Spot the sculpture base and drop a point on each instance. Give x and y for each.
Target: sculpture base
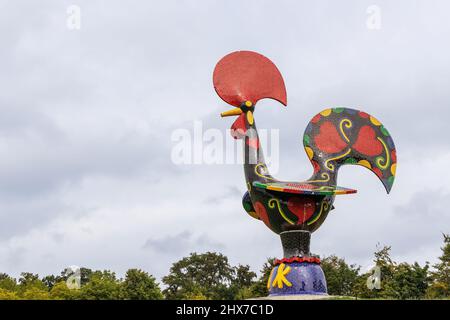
(299, 272)
(297, 278)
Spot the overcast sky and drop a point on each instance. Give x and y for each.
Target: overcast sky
(86, 119)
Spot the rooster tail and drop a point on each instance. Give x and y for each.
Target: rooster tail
(340, 136)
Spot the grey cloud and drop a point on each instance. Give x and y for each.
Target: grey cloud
(421, 221)
(15, 256)
(428, 204)
(231, 192)
(18, 217)
(182, 243)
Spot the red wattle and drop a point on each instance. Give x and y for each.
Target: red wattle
(238, 128)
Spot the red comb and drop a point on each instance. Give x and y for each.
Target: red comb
(247, 75)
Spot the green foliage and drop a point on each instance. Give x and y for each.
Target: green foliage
(50, 281)
(241, 282)
(210, 276)
(95, 285)
(259, 288)
(30, 281)
(243, 276)
(60, 291)
(102, 285)
(7, 282)
(340, 276)
(398, 281)
(438, 290)
(409, 281)
(245, 293)
(139, 285)
(440, 277)
(8, 295)
(35, 293)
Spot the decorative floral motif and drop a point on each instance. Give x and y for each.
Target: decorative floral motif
(310, 259)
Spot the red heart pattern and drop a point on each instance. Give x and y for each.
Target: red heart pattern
(367, 142)
(262, 213)
(328, 139)
(302, 207)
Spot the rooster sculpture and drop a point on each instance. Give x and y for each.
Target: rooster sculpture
(333, 138)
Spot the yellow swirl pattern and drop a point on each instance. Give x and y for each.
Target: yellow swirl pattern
(325, 176)
(330, 166)
(262, 165)
(325, 188)
(348, 124)
(323, 207)
(380, 159)
(271, 204)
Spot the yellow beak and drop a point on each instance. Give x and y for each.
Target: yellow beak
(232, 112)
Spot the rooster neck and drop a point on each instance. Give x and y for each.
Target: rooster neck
(255, 167)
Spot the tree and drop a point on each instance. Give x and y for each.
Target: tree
(243, 276)
(50, 281)
(240, 287)
(85, 275)
(29, 281)
(35, 293)
(208, 274)
(8, 295)
(398, 281)
(440, 287)
(139, 285)
(102, 285)
(259, 288)
(387, 268)
(340, 276)
(7, 282)
(244, 293)
(409, 281)
(60, 291)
